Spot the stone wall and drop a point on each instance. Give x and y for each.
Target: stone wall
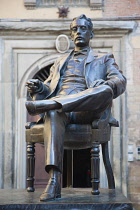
(133, 106)
(15, 9)
(121, 8)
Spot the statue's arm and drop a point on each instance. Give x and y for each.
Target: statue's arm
(36, 88)
(41, 90)
(114, 78)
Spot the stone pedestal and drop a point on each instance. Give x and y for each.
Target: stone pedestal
(72, 199)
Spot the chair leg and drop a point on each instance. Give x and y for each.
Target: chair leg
(95, 169)
(30, 166)
(108, 168)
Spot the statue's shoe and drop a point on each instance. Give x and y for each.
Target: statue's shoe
(40, 106)
(37, 107)
(52, 191)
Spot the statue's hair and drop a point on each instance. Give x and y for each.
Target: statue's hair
(90, 25)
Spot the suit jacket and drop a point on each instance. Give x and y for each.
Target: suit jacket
(98, 68)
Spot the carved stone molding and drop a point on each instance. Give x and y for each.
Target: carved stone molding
(94, 4)
(56, 26)
(30, 4)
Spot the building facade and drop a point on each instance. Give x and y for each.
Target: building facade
(28, 31)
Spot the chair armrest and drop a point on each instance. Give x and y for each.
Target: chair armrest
(34, 132)
(113, 122)
(29, 125)
(103, 121)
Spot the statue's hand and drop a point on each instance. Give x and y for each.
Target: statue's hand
(33, 85)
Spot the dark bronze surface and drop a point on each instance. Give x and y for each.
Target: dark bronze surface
(72, 199)
(79, 90)
(108, 168)
(95, 173)
(53, 188)
(31, 166)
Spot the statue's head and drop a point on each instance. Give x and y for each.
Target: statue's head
(81, 31)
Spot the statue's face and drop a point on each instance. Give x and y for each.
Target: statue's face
(80, 33)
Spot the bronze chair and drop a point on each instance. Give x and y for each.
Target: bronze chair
(77, 137)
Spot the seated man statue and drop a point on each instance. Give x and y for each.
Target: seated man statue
(80, 88)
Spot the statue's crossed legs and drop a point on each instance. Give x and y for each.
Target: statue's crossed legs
(61, 110)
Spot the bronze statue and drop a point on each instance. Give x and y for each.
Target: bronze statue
(80, 88)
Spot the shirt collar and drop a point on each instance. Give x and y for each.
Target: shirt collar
(83, 52)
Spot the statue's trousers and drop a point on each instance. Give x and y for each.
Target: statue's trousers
(81, 108)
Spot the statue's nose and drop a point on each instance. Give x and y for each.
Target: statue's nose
(78, 30)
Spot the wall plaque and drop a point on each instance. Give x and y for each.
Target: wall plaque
(62, 43)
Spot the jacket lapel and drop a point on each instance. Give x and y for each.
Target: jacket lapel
(64, 60)
(91, 56)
